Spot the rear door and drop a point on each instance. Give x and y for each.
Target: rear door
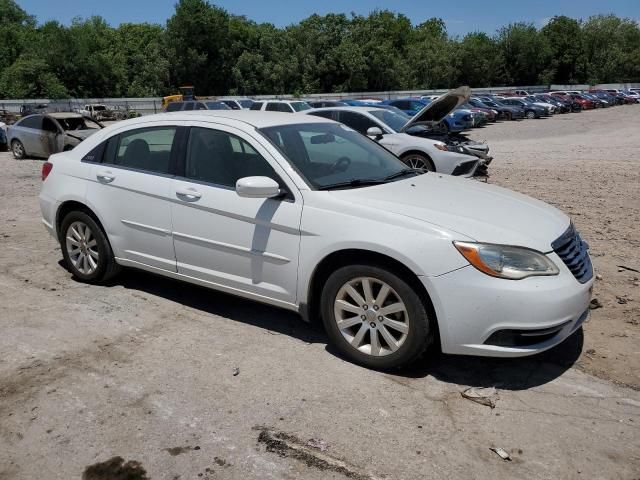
(132, 191)
(32, 136)
(241, 245)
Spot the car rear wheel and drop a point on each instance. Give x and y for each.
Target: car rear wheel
(375, 318)
(419, 162)
(530, 114)
(18, 150)
(86, 249)
(507, 115)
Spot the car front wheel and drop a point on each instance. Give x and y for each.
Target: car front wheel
(530, 114)
(419, 162)
(375, 318)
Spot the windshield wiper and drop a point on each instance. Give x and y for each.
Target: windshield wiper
(354, 182)
(401, 173)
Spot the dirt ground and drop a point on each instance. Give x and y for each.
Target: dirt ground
(152, 379)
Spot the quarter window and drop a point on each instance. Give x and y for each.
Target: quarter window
(148, 149)
(221, 158)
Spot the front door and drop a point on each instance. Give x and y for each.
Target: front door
(241, 245)
(132, 190)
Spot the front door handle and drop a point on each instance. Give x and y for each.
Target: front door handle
(106, 177)
(189, 194)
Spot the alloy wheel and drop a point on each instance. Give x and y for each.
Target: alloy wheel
(18, 149)
(82, 248)
(371, 316)
(418, 163)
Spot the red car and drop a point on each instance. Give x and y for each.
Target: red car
(584, 102)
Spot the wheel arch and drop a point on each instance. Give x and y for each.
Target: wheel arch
(310, 310)
(69, 206)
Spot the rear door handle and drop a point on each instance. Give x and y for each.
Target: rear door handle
(106, 177)
(189, 194)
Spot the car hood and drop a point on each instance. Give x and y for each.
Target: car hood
(474, 210)
(439, 108)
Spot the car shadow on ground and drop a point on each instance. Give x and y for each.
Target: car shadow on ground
(503, 373)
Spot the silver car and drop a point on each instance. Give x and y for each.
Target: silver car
(42, 135)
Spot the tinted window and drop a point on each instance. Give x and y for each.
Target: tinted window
(417, 106)
(32, 122)
(200, 106)
(323, 113)
(49, 125)
(222, 158)
(278, 107)
(174, 106)
(95, 155)
(189, 105)
(300, 106)
(232, 104)
(360, 123)
(148, 149)
(256, 106)
(246, 103)
(401, 104)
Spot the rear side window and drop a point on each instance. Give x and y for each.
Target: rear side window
(256, 106)
(323, 113)
(174, 107)
(234, 105)
(222, 159)
(34, 121)
(144, 149)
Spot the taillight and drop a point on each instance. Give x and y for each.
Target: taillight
(46, 170)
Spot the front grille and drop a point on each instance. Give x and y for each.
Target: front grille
(464, 168)
(574, 252)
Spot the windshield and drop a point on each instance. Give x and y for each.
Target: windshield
(300, 106)
(390, 118)
(329, 155)
(77, 123)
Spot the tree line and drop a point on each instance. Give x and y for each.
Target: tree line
(221, 53)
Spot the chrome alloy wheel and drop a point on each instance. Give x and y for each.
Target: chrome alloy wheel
(371, 316)
(417, 163)
(18, 149)
(82, 248)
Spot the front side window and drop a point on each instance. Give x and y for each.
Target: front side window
(49, 125)
(174, 107)
(144, 149)
(189, 105)
(221, 158)
(357, 121)
(329, 155)
(390, 118)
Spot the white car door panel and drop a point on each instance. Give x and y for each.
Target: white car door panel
(243, 244)
(134, 200)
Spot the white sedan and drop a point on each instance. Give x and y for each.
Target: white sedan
(304, 213)
(390, 128)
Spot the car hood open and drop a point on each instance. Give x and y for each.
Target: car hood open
(482, 212)
(439, 108)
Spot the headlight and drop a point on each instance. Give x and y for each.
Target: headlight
(441, 146)
(505, 261)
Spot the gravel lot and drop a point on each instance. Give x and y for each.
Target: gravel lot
(186, 383)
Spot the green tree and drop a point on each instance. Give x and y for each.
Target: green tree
(30, 77)
(564, 37)
(526, 53)
(479, 61)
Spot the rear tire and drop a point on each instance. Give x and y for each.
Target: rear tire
(86, 249)
(530, 114)
(17, 148)
(392, 331)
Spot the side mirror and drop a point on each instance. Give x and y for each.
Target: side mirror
(257, 187)
(374, 132)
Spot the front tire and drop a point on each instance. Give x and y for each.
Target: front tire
(530, 114)
(419, 162)
(375, 318)
(17, 148)
(86, 249)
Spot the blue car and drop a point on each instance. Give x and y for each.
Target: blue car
(455, 122)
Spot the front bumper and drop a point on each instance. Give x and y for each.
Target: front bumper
(471, 307)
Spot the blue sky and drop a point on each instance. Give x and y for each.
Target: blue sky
(461, 16)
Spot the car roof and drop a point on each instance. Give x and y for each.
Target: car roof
(63, 115)
(255, 118)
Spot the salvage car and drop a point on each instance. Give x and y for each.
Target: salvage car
(390, 130)
(303, 213)
(507, 112)
(43, 135)
(530, 110)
